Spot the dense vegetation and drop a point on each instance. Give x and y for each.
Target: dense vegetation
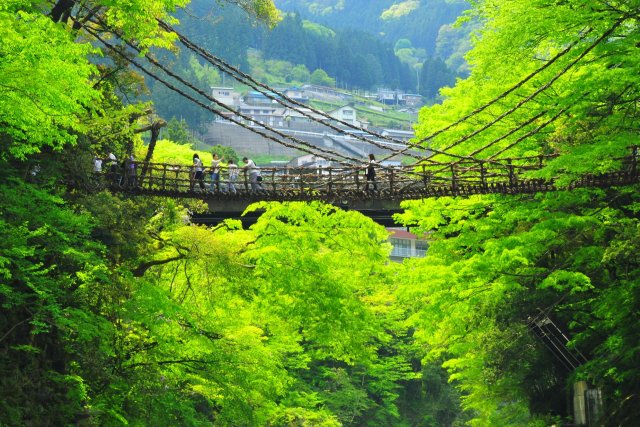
(118, 311)
(418, 21)
(297, 52)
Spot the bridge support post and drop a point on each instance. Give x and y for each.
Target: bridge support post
(454, 184)
(483, 176)
(512, 177)
(391, 181)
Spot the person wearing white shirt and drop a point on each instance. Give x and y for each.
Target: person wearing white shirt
(198, 174)
(254, 174)
(215, 173)
(232, 170)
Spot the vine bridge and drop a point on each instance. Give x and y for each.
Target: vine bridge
(348, 187)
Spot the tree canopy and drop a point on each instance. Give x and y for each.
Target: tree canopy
(119, 310)
(545, 78)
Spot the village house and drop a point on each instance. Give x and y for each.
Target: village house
(406, 244)
(259, 98)
(297, 94)
(401, 135)
(346, 114)
(226, 95)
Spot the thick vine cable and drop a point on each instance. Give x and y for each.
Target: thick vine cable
(231, 70)
(303, 146)
(542, 88)
(530, 133)
(502, 95)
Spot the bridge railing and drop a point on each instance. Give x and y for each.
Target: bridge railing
(463, 173)
(181, 178)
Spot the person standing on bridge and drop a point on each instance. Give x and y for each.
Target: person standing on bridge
(198, 174)
(370, 173)
(254, 174)
(130, 172)
(232, 170)
(215, 173)
(112, 162)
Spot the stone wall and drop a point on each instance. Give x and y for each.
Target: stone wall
(248, 143)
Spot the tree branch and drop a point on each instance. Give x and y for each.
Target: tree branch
(142, 268)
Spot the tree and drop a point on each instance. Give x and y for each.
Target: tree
(299, 73)
(320, 77)
(45, 82)
(434, 75)
(178, 131)
(496, 263)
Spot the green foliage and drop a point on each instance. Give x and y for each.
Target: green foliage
(177, 154)
(44, 83)
(402, 44)
(318, 29)
(398, 10)
(178, 132)
(119, 311)
(277, 71)
(45, 248)
(495, 263)
(366, 61)
(225, 153)
(320, 77)
(416, 21)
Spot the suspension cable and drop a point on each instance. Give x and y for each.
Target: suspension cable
(503, 94)
(304, 146)
(269, 92)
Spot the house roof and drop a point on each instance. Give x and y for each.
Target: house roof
(401, 234)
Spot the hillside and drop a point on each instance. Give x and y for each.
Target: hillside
(418, 21)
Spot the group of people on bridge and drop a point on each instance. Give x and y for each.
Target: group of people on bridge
(223, 176)
(231, 171)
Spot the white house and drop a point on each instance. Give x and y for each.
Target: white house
(346, 114)
(403, 135)
(296, 116)
(406, 245)
(309, 161)
(226, 95)
(297, 94)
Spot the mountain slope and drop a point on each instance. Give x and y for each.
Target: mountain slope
(418, 21)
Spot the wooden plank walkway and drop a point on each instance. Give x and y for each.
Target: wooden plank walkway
(348, 185)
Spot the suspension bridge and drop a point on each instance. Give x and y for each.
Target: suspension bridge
(348, 187)
(513, 116)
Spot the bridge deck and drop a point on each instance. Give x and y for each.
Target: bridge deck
(348, 187)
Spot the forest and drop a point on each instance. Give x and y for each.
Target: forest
(350, 55)
(118, 310)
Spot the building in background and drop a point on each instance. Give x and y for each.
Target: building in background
(406, 244)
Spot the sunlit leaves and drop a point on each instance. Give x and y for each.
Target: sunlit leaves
(44, 84)
(568, 61)
(495, 262)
